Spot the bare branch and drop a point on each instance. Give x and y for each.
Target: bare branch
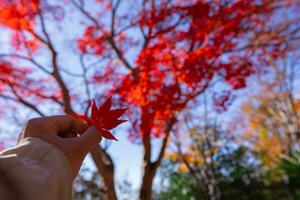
(56, 73)
(85, 80)
(29, 59)
(164, 143)
(109, 38)
(24, 102)
(113, 16)
(70, 73)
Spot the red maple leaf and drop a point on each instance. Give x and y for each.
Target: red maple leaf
(104, 119)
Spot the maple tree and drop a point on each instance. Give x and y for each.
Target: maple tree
(155, 56)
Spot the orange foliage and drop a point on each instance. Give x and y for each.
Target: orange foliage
(267, 112)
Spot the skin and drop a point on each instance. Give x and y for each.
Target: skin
(71, 136)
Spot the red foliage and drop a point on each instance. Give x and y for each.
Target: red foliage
(92, 40)
(18, 14)
(10, 76)
(20, 81)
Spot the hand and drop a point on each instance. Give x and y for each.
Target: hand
(62, 132)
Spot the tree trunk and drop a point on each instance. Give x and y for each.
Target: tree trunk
(105, 167)
(146, 188)
(149, 167)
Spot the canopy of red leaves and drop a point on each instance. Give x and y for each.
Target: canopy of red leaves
(184, 47)
(188, 45)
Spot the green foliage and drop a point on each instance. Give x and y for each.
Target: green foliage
(291, 167)
(175, 185)
(181, 187)
(241, 177)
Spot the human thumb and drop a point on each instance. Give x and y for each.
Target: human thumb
(77, 148)
(88, 140)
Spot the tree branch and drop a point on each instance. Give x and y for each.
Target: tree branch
(55, 73)
(85, 80)
(31, 60)
(24, 102)
(109, 38)
(170, 124)
(105, 167)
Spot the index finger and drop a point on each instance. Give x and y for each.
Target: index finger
(66, 123)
